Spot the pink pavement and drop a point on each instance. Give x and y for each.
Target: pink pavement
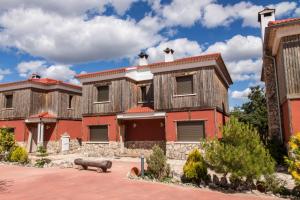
(22, 183)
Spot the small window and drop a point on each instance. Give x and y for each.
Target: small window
(184, 85)
(70, 103)
(99, 133)
(143, 93)
(190, 131)
(9, 129)
(103, 93)
(8, 101)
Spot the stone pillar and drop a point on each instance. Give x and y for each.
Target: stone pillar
(38, 134)
(42, 133)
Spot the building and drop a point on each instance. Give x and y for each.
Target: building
(281, 73)
(40, 110)
(173, 104)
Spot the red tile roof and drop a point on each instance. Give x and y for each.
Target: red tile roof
(201, 58)
(43, 115)
(42, 81)
(140, 109)
(282, 21)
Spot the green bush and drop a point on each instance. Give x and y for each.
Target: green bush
(195, 168)
(275, 185)
(41, 162)
(41, 151)
(240, 152)
(157, 166)
(20, 155)
(7, 140)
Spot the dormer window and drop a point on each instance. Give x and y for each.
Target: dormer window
(184, 85)
(103, 93)
(8, 101)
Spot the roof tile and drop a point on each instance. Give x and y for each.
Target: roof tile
(140, 109)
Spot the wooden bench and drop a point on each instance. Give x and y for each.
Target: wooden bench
(101, 166)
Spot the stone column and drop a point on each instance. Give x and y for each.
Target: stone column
(42, 134)
(38, 134)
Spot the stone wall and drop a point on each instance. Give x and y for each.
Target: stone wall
(137, 148)
(272, 100)
(97, 149)
(180, 150)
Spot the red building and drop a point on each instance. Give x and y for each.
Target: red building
(40, 110)
(174, 104)
(281, 73)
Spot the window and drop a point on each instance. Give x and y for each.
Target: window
(8, 101)
(184, 85)
(190, 131)
(143, 93)
(103, 93)
(70, 103)
(99, 133)
(9, 129)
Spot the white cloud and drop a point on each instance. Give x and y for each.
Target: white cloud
(3, 73)
(245, 69)
(240, 94)
(72, 39)
(182, 47)
(59, 72)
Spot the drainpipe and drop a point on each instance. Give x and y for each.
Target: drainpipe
(277, 92)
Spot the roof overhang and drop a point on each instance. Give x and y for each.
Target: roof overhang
(152, 115)
(37, 120)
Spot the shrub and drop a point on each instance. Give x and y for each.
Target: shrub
(293, 160)
(195, 168)
(240, 152)
(275, 185)
(42, 151)
(157, 166)
(7, 140)
(41, 162)
(20, 155)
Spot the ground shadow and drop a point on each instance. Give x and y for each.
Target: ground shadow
(5, 184)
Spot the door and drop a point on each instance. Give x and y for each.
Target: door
(33, 139)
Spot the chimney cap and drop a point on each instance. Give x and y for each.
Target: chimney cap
(35, 76)
(143, 55)
(265, 11)
(168, 50)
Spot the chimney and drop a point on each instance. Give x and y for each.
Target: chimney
(264, 17)
(169, 55)
(143, 59)
(35, 76)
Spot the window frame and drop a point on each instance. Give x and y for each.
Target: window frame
(98, 141)
(71, 102)
(108, 96)
(193, 120)
(175, 93)
(5, 102)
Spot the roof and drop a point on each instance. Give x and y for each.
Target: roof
(41, 81)
(282, 21)
(43, 115)
(201, 58)
(140, 109)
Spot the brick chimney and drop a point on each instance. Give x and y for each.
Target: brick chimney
(143, 59)
(169, 55)
(264, 17)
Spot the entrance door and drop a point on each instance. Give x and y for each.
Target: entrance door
(33, 139)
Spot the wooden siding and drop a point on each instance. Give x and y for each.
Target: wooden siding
(281, 74)
(122, 94)
(291, 60)
(208, 90)
(27, 102)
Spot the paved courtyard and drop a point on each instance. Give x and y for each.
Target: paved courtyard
(20, 183)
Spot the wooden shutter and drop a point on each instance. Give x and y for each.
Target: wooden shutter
(184, 85)
(190, 131)
(9, 100)
(103, 93)
(99, 133)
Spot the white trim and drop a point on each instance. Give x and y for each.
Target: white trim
(184, 95)
(153, 115)
(37, 120)
(101, 102)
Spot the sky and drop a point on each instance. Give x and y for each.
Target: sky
(59, 39)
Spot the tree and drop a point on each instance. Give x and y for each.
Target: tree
(254, 112)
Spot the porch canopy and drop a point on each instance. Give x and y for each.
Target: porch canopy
(141, 112)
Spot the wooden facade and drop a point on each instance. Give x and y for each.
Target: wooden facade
(31, 101)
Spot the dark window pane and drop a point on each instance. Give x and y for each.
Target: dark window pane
(70, 105)
(190, 131)
(184, 85)
(143, 93)
(103, 93)
(9, 101)
(99, 133)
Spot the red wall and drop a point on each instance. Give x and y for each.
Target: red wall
(111, 121)
(295, 119)
(221, 120)
(18, 125)
(207, 115)
(145, 130)
(72, 127)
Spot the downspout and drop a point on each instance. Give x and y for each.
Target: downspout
(277, 92)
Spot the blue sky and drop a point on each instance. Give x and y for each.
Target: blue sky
(59, 39)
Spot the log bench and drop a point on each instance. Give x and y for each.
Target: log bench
(101, 166)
